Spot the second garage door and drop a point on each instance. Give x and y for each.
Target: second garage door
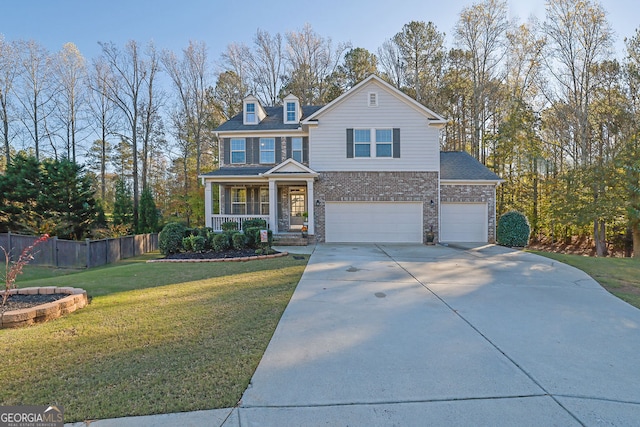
(463, 222)
(373, 222)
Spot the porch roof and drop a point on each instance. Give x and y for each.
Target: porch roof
(238, 171)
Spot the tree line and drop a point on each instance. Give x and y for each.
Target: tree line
(545, 104)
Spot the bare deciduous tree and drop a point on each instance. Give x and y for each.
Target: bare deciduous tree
(9, 71)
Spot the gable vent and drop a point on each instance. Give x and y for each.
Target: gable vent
(373, 99)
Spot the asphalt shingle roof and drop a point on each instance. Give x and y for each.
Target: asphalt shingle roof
(238, 171)
(458, 165)
(273, 121)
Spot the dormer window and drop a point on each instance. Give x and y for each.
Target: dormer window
(291, 112)
(291, 109)
(253, 113)
(250, 113)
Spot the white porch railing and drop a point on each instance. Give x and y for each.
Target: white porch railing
(218, 220)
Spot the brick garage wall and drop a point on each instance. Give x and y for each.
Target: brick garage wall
(469, 193)
(377, 187)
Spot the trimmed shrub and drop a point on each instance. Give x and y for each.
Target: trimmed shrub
(220, 242)
(170, 238)
(513, 229)
(198, 243)
(239, 241)
(229, 226)
(256, 222)
(186, 244)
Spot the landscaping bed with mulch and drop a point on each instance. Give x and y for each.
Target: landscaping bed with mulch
(18, 302)
(231, 253)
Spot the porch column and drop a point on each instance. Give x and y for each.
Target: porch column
(208, 205)
(311, 205)
(273, 206)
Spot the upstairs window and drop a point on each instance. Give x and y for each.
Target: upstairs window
(291, 112)
(267, 150)
(250, 113)
(238, 152)
(296, 149)
(362, 142)
(384, 141)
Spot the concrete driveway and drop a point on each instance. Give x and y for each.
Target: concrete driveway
(409, 335)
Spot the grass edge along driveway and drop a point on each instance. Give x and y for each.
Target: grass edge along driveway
(619, 276)
(156, 338)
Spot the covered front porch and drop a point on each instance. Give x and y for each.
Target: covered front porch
(282, 196)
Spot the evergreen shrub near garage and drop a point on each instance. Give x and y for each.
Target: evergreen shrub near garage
(513, 229)
(170, 238)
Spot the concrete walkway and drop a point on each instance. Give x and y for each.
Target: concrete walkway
(409, 335)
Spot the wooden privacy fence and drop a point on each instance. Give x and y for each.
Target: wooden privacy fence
(79, 254)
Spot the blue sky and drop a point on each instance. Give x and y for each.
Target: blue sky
(171, 24)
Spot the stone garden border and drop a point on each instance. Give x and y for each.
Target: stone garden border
(76, 299)
(237, 259)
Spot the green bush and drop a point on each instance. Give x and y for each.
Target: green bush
(187, 244)
(256, 222)
(229, 226)
(239, 241)
(170, 238)
(220, 242)
(253, 236)
(198, 243)
(513, 229)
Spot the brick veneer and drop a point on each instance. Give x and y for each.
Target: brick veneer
(377, 187)
(469, 193)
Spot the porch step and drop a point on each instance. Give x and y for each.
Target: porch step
(290, 239)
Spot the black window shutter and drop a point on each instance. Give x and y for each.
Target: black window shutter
(227, 150)
(278, 149)
(289, 154)
(305, 149)
(248, 150)
(396, 143)
(350, 143)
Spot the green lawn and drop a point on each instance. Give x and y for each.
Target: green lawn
(620, 276)
(156, 338)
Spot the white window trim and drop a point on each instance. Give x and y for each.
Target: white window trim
(234, 203)
(301, 150)
(355, 144)
(268, 151)
(373, 143)
(264, 203)
(254, 112)
(286, 112)
(389, 143)
(231, 151)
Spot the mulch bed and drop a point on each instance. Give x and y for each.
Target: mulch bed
(17, 302)
(213, 255)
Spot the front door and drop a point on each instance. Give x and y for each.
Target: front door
(298, 208)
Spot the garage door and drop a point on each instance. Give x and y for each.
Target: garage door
(373, 222)
(463, 222)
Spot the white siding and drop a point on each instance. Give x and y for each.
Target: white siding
(419, 143)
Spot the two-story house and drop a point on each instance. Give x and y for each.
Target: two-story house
(366, 167)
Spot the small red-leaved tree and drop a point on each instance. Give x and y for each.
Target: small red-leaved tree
(13, 268)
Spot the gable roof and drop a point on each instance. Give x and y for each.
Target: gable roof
(273, 121)
(433, 117)
(461, 166)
